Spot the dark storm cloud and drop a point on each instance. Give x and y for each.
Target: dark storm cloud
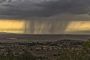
(42, 8)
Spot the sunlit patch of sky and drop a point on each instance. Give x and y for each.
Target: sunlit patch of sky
(77, 26)
(12, 26)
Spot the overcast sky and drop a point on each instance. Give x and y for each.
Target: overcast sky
(66, 10)
(42, 8)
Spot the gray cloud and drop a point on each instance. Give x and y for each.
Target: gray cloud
(42, 8)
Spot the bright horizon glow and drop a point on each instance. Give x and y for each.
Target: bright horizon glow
(76, 26)
(12, 26)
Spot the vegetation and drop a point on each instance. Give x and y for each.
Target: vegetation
(65, 52)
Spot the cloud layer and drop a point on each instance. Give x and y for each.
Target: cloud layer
(42, 8)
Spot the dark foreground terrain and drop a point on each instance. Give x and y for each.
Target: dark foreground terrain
(44, 47)
(55, 50)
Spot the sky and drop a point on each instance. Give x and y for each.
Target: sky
(65, 11)
(14, 26)
(42, 8)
